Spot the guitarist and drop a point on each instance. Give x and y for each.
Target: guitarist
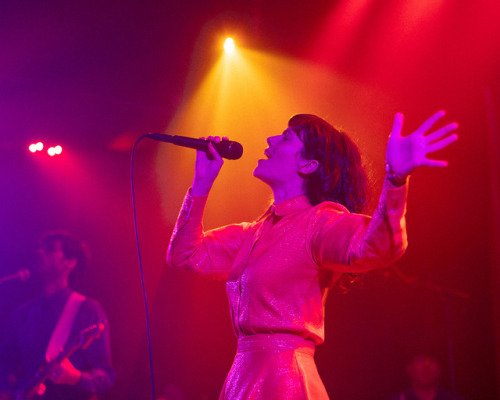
(40, 329)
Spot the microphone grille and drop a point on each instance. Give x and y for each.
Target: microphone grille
(229, 149)
(235, 150)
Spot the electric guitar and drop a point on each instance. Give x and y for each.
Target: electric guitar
(31, 390)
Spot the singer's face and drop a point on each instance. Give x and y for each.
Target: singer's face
(51, 261)
(281, 165)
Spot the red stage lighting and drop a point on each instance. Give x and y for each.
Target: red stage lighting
(34, 147)
(54, 150)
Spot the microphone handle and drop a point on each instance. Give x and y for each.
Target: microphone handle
(227, 149)
(184, 141)
(192, 143)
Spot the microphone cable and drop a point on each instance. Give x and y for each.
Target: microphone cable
(134, 212)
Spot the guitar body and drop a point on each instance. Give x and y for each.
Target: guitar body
(35, 388)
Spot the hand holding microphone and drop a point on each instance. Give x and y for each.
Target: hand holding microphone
(207, 167)
(209, 156)
(226, 148)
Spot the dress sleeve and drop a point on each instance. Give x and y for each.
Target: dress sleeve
(353, 243)
(208, 253)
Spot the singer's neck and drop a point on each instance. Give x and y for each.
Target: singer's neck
(286, 192)
(52, 287)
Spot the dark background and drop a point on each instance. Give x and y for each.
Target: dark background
(96, 75)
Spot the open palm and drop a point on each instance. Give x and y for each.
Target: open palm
(405, 153)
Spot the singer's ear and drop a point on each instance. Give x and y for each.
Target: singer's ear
(307, 167)
(70, 264)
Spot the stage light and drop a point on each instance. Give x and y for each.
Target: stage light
(54, 150)
(34, 147)
(229, 46)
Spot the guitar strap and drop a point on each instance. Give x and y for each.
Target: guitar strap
(64, 325)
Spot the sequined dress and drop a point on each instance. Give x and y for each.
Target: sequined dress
(278, 271)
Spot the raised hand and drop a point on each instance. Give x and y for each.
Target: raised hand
(405, 153)
(207, 167)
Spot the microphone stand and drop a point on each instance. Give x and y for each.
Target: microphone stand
(444, 294)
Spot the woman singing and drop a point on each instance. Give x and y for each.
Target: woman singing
(279, 268)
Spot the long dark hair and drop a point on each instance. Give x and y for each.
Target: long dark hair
(340, 176)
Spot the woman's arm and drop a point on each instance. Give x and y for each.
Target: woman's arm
(207, 253)
(356, 243)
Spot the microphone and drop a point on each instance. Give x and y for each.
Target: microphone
(23, 275)
(226, 148)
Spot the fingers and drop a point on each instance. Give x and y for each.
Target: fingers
(441, 144)
(441, 132)
(435, 163)
(439, 140)
(397, 125)
(427, 125)
(216, 139)
(212, 153)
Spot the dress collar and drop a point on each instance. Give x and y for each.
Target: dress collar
(291, 206)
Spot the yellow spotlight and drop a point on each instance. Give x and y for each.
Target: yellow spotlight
(229, 46)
